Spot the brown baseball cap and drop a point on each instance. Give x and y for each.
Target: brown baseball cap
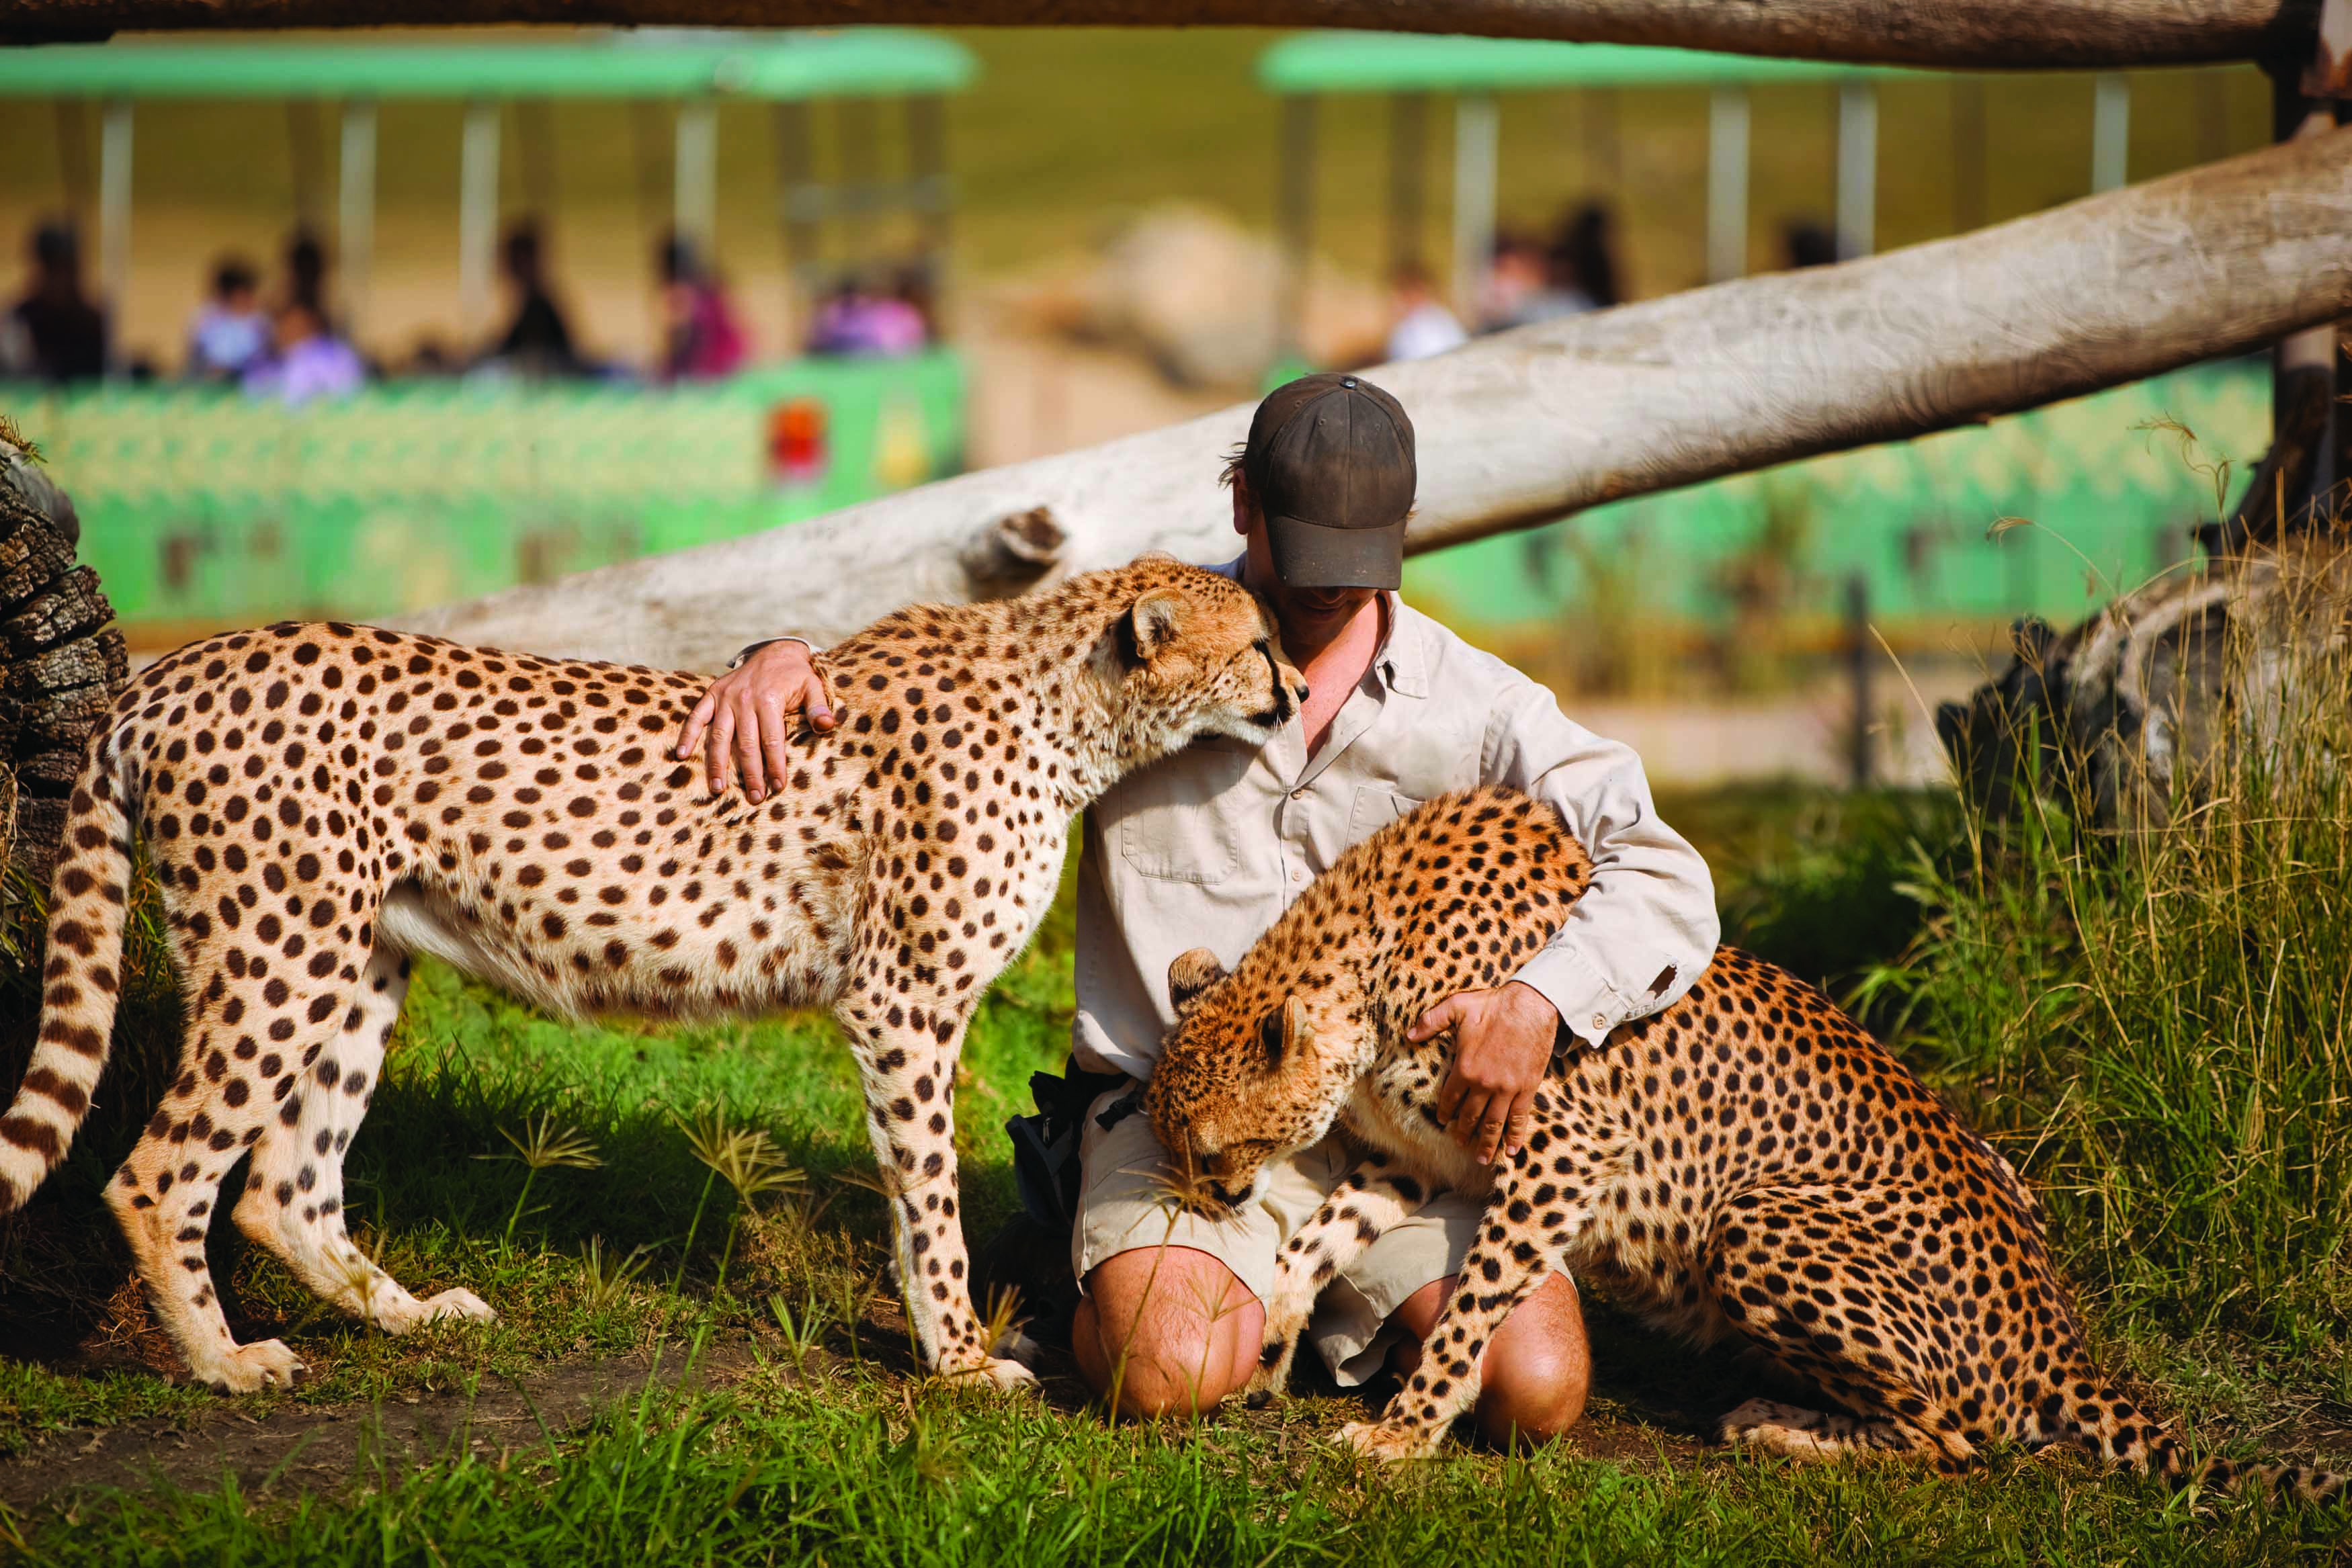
(1330, 460)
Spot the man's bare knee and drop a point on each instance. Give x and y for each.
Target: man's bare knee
(1166, 1331)
(1536, 1375)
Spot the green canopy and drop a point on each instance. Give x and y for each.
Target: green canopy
(1419, 62)
(864, 61)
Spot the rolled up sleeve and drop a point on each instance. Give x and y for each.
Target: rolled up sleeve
(1646, 927)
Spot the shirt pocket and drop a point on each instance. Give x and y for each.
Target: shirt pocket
(1375, 806)
(1172, 824)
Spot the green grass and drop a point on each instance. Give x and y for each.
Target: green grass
(851, 1460)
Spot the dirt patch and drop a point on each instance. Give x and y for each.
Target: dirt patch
(317, 1449)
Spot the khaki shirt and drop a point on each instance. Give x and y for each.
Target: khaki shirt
(1208, 848)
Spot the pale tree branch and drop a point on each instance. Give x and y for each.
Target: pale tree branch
(1536, 424)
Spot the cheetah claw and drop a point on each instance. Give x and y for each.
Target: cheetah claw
(266, 1364)
(1385, 1442)
(996, 1372)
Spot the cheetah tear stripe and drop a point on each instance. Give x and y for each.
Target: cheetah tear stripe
(1745, 1163)
(321, 802)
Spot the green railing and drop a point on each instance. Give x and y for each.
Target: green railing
(202, 508)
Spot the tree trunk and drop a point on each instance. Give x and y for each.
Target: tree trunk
(1999, 35)
(1529, 425)
(64, 662)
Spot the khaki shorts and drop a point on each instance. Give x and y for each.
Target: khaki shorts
(1123, 1207)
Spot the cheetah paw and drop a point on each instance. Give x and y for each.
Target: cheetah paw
(1386, 1442)
(458, 1303)
(996, 1372)
(266, 1364)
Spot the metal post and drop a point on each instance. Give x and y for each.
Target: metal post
(1297, 204)
(1859, 768)
(1727, 185)
(355, 209)
(695, 184)
(1970, 199)
(1408, 161)
(115, 220)
(1857, 169)
(2110, 131)
(1476, 130)
(477, 213)
(926, 157)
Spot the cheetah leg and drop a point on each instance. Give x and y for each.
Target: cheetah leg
(906, 1058)
(1797, 1434)
(164, 1194)
(1496, 1276)
(1794, 1268)
(1368, 1201)
(293, 1202)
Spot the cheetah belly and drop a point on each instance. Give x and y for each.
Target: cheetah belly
(417, 922)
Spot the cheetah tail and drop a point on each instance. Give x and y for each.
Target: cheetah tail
(2129, 1439)
(88, 904)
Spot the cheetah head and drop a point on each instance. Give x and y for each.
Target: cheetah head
(1251, 1072)
(1195, 655)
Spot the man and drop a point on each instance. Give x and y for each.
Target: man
(1209, 847)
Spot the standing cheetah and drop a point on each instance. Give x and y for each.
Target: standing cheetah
(323, 802)
(1746, 1161)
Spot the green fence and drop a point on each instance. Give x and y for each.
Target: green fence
(203, 508)
(2112, 495)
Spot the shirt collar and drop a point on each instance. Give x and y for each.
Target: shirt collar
(1403, 657)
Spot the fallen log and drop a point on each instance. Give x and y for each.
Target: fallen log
(1996, 34)
(1530, 425)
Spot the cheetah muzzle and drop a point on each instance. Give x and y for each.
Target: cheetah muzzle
(1744, 1163)
(321, 803)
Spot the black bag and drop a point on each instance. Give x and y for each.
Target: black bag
(1030, 1255)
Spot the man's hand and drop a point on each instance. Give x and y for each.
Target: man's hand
(1502, 1043)
(749, 713)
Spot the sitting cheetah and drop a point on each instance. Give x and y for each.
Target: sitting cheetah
(323, 802)
(1745, 1160)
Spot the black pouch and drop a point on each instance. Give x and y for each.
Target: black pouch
(1045, 1145)
(1029, 1256)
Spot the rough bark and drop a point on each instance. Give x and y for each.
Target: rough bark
(1534, 424)
(61, 660)
(2002, 34)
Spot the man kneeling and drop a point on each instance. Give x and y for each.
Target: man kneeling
(1208, 848)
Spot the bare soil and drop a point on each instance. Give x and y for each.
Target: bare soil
(307, 1448)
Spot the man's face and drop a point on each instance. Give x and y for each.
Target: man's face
(1308, 616)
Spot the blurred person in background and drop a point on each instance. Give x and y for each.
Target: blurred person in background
(1423, 324)
(306, 277)
(1806, 243)
(306, 360)
(1514, 274)
(860, 319)
(230, 331)
(53, 332)
(1582, 261)
(700, 336)
(538, 340)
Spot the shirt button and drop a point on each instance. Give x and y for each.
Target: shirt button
(1298, 874)
(1299, 794)
(1600, 1020)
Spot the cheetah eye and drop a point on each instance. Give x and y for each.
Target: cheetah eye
(1269, 1040)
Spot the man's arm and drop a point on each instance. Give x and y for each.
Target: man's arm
(749, 713)
(1635, 941)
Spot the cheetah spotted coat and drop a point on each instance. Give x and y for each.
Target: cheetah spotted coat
(323, 802)
(1744, 1163)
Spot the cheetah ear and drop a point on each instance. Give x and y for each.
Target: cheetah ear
(1285, 1034)
(1151, 624)
(1192, 973)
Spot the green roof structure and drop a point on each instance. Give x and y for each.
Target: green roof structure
(1411, 62)
(669, 63)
